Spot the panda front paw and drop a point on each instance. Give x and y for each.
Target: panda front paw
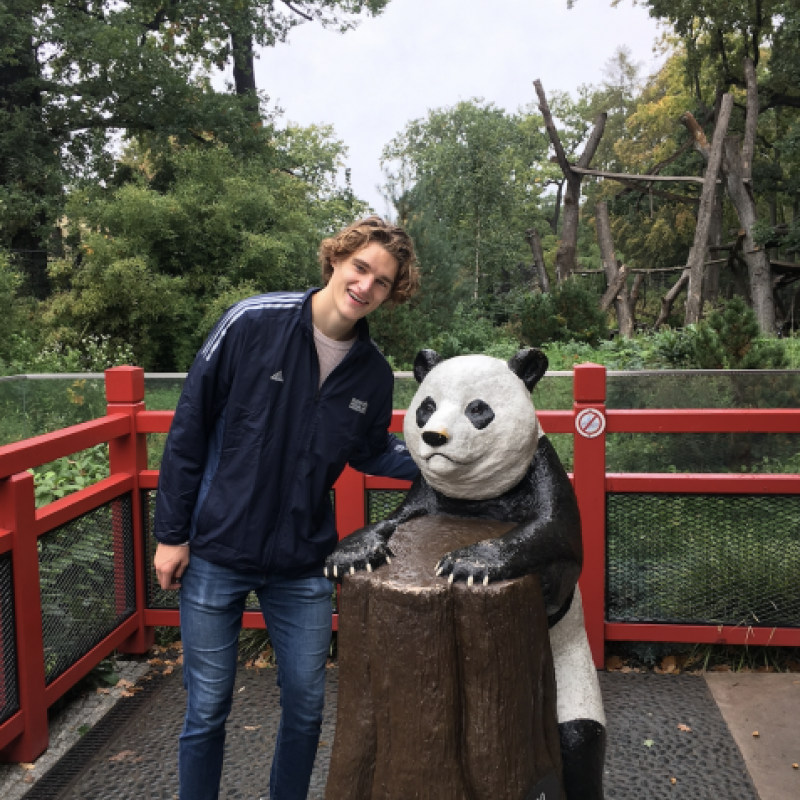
(479, 564)
(366, 549)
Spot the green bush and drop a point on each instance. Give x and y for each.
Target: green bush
(568, 313)
(729, 339)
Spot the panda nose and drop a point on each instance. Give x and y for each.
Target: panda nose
(434, 439)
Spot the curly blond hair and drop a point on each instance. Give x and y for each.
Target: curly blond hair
(393, 239)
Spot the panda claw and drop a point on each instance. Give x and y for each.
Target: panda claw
(325, 572)
(469, 581)
(335, 571)
(369, 567)
(388, 560)
(450, 579)
(485, 580)
(438, 571)
(352, 570)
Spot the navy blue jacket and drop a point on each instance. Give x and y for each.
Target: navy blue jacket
(255, 446)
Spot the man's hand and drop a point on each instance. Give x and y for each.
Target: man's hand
(170, 563)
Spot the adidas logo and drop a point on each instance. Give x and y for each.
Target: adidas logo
(359, 405)
(278, 376)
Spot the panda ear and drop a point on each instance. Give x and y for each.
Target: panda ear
(529, 365)
(425, 361)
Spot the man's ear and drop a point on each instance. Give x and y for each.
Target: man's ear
(529, 365)
(425, 361)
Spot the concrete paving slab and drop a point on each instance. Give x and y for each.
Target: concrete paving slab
(770, 704)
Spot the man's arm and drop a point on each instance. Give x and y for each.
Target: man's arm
(204, 395)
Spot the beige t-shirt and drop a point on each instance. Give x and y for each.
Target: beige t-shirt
(330, 353)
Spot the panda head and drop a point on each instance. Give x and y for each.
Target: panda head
(471, 427)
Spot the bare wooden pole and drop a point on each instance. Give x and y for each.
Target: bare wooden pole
(566, 255)
(610, 266)
(669, 298)
(623, 176)
(697, 256)
(750, 122)
(610, 294)
(532, 235)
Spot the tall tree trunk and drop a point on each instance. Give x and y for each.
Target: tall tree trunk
(566, 255)
(758, 268)
(611, 269)
(557, 211)
(711, 282)
(532, 235)
(244, 74)
(737, 169)
(697, 256)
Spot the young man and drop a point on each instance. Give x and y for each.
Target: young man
(287, 389)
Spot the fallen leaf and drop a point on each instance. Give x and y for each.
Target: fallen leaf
(649, 742)
(241, 689)
(179, 659)
(668, 664)
(28, 778)
(28, 766)
(795, 766)
(168, 671)
(122, 755)
(251, 727)
(126, 693)
(261, 663)
(721, 668)
(323, 744)
(673, 781)
(613, 663)
(99, 690)
(155, 662)
(626, 670)
(124, 684)
(756, 734)
(682, 727)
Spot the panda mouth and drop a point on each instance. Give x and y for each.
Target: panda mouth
(446, 458)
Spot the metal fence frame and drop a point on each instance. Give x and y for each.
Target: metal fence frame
(24, 735)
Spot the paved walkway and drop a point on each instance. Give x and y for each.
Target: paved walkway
(669, 737)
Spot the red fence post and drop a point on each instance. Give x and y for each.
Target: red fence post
(128, 455)
(350, 502)
(589, 394)
(18, 514)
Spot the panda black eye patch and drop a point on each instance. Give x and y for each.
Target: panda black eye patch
(425, 411)
(480, 414)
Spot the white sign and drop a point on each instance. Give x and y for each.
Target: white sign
(590, 423)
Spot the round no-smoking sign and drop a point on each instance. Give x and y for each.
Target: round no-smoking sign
(590, 423)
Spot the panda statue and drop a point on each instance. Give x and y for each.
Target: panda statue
(472, 430)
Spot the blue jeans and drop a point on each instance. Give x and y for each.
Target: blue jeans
(298, 617)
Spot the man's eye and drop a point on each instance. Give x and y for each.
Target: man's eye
(425, 411)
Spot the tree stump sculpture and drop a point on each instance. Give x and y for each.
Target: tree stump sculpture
(446, 692)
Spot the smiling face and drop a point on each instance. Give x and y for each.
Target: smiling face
(362, 281)
(471, 428)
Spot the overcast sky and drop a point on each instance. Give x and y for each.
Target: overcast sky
(423, 54)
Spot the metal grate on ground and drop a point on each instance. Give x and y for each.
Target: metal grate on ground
(704, 559)
(9, 695)
(87, 582)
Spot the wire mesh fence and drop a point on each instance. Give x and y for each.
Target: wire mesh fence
(86, 572)
(704, 558)
(9, 694)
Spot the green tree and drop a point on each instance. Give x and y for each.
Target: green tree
(473, 169)
(180, 235)
(73, 76)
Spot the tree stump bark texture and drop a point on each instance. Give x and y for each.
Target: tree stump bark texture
(446, 692)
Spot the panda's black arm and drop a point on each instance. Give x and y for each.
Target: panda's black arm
(546, 540)
(369, 547)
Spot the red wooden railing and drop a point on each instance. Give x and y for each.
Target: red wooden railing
(24, 736)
